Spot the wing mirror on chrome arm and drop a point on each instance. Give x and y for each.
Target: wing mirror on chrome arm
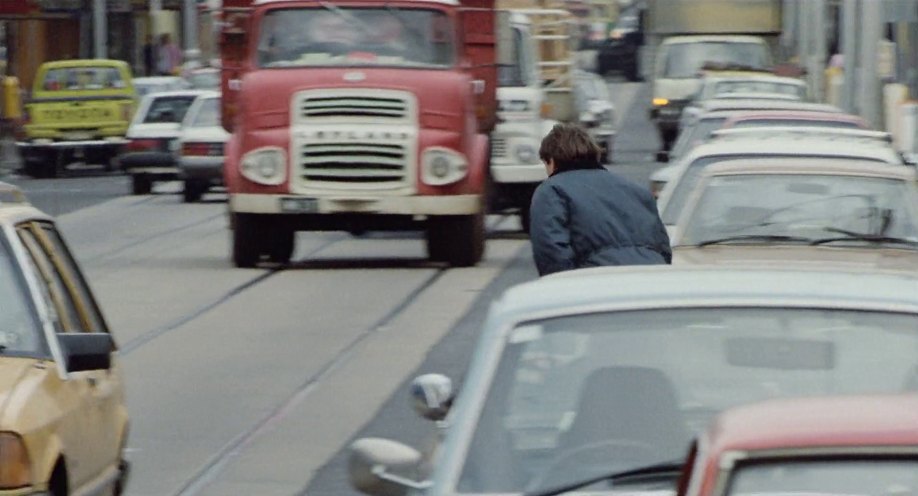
(432, 396)
(382, 467)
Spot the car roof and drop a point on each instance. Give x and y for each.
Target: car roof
(794, 144)
(667, 286)
(156, 79)
(809, 166)
(797, 114)
(188, 92)
(804, 131)
(675, 40)
(84, 62)
(765, 104)
(714, 78)
(15, 206)
(815, 422)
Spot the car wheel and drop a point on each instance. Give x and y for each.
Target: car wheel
(141, 184)
(456, 239)
(193, 191)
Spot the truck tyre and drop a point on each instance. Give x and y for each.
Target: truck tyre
(457, 239)
(281, 247)
(141, 184)
(247, 240)
(525, 217)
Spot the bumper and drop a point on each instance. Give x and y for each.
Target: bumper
(209, 168)
(47, 143)
(292, 205)
(152, 163)
(38, 131)
(518, 173)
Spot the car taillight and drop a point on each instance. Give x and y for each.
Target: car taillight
(143, 145)
(202, 149)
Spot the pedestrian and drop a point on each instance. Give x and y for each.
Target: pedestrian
(149, 56)
(168, 56)
(584, 215)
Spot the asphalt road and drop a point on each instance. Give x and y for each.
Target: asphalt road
(252, 381)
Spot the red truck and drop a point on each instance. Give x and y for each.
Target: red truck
(356, 115)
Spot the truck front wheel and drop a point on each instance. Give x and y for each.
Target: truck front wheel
(141, 184)
(456, 239)
(247, 241)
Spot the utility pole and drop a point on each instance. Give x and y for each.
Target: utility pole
(190, 27)
(869, 82)
(850, 54)
(99, 30)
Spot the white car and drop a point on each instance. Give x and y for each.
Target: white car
(201, 147)
(158, 84)
(156, 124)
(681, 177)
(758, 87)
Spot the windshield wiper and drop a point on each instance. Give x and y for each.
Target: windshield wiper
(754, 237)
(668, 469)
(856, 236)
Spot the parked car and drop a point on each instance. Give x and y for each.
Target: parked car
(795, 118)
(676, 182)
(158, 84)
(829, 445)
(754, 86)
(201, 147)
(63, 420)
(77, 108)
(594, 372)
(696, 132)
(801, 210)
(152, 136)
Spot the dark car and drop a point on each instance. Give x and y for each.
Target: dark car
(619, 51)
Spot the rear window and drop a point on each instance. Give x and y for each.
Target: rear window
(209, 114)
(168, 109)
(83, 78)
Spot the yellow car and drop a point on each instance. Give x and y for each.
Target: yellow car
(77, 107)
(63, 421)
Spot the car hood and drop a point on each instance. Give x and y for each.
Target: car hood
(768, 255)
(12, 371)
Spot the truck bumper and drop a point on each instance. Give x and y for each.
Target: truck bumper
(47, 143)
(293, 205)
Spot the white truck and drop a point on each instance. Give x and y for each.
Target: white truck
(684, 38)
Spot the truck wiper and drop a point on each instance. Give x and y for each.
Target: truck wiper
(856, 236)
(666, 470)
(754, 237)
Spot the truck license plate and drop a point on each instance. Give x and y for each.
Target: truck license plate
(300, 205)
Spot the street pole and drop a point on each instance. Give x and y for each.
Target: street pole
(99, 30)
(849, 54)
(818, 49)
(869, 91)
(190, 28)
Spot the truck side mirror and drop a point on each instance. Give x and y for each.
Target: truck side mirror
(432, 396)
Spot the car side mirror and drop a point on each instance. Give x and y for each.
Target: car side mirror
(663, 156)
(86, 350)
(382, 467)
(432, 396)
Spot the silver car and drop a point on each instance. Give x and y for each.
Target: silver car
(601, 377)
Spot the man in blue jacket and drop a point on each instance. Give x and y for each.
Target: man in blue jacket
(586, 216)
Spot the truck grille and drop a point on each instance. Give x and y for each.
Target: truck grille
(353, 107)
(498, 147)
(374, 165)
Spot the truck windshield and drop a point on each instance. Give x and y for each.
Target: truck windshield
(333, 36)
(684, 60)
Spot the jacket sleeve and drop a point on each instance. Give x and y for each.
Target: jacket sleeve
(549, 231)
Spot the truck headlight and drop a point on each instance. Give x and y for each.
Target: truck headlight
(265, 165)
(440, 166)
(15, 468)
(526, 153)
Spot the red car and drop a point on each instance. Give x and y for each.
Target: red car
(856, 445)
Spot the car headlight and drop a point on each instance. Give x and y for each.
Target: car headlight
(440, 166)
(526, 153)
(265, 166)
(15, 468)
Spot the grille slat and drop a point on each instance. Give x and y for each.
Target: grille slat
(499, 147)
(356, 173)
(351, 107)
(358, 160)
(373, 163)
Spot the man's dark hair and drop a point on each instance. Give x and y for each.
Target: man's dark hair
(571, 147)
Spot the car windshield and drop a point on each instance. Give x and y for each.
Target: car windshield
(684, 60)
(356, 36)
(759, 86)
(682, 190)
(83, 78)
(167, 109)
(695, 134)
(790, 122)
(803, 206)
(578, 396)
(852, 475)
(208, 114)
(20, 331)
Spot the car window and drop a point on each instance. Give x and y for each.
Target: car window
(65, 316)
(802, 205)
(208, 114)
(82, 78)
(801, 474)
(684, 60)
(167, 109)
(790, 122)
(578, 396)
(682, 189)
(20, 328)
(759, 86)
(696, 134)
